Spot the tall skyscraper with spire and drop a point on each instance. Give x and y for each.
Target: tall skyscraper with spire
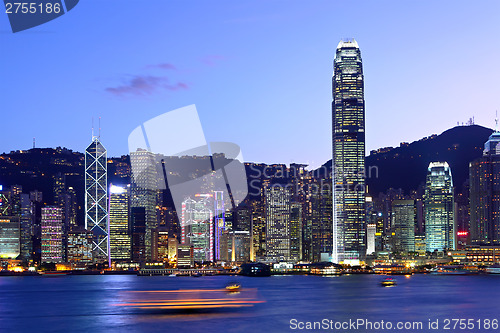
(348, 163)
(96, 198)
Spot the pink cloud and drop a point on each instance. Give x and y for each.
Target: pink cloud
(141, 85)
(211, 60)
(163, 66)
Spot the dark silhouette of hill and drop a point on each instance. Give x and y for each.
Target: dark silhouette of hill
(405, 167)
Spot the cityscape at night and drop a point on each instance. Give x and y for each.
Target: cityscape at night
(144, 186)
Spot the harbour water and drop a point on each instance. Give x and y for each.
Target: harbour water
(95, 303)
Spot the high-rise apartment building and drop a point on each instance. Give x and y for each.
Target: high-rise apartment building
(348, 163)
(439, 208)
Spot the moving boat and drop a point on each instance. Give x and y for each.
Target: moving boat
(233, 287)
(388, 282)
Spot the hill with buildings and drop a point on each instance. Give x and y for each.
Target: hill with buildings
(405, 166)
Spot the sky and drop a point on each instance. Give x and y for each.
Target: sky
(259, 72)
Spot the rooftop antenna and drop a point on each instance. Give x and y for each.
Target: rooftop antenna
(33, 142)
(92, 128)
(496, 121)
(99, 128)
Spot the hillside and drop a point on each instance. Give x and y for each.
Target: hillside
(406, 166)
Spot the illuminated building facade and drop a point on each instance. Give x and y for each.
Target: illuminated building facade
(235, 246)
(52, 234)
(220, 223)
(197, 226)
(166, 245)
(348, 163)
(96, 199)
(9, 237)
(371, 230)
(26, 220)
(185, 256)
(119, 231)
(321, 223)
(277, 223)
(296, 231)
(485, 194)
(403, 221)
(80, 246)
(439, 204)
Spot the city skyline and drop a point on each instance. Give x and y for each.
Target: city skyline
(218, 74)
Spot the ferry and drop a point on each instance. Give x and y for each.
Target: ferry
(493, 269)
(454, 270)
(53, 273)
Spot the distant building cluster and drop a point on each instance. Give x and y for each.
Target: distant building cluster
(87, 211)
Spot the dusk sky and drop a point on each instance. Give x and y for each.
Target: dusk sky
(259, 72)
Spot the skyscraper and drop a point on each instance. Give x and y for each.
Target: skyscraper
(96, 198)
(439, 204)
(197, 226)
(144, 192)
(277, 223)
(52, 234)
(348, 163)
(485, 194)
(9, 237)
(119, 233)
(403, 216)
(296, 231)
(138, 222)
(26, 227)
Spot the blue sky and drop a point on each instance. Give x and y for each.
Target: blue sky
(259, 72)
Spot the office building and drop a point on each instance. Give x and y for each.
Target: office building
(484, 194)
(144, 192)
(439, 208)
(138, 223)
(197, 227)
(79, 250)
(185, 256)
(235, 246)
(277, 223)
(119, 231)
(9, 237)
(348, 163)
(52, 235)
(96, 198)
(403, 216)
(296, 231)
